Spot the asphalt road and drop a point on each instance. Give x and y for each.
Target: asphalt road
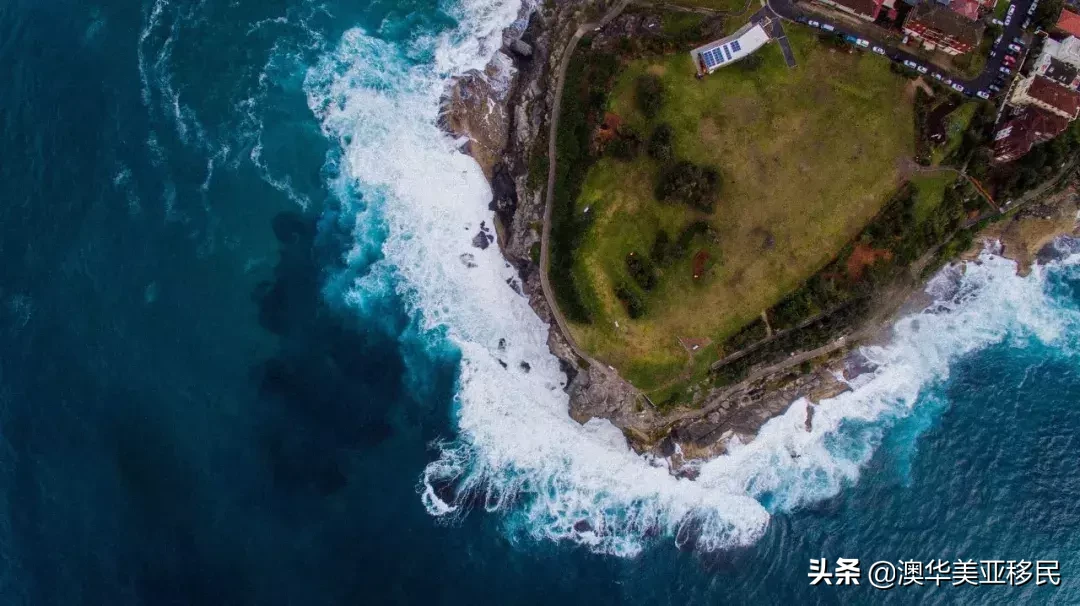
(788, 10)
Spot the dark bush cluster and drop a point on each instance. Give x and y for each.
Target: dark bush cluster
(641, 270)
(649, 93)
(625, 146)
(635, 307)
(660, 143)
(689, 183)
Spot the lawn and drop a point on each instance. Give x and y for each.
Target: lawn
(930, 191)
(955, 125)
(806, 156)
(727, 6)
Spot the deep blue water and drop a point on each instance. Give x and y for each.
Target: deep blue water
(190, 412)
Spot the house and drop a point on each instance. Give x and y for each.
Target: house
(1063, 73)
(867, 10)
(725, 51)
(1028, 128)
(1043, 92)
(938, 27)
(966, 8)
(1069, 22)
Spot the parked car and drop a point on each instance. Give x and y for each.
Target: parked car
(983, 94)
(922, 69)
(958, 87)
(878, 50)
(1014, 48)
(995, 88)
(1019, 40)
(801, 19)
(1005, 70)
(1009, 60)
(814, 23)
(910, 63)
(863, 43)
(1027, 23)
(827, 27)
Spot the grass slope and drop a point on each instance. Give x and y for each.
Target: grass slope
(807, 156)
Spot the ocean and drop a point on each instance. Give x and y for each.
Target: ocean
(249, 356)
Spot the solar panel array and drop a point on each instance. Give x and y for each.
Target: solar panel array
(718, 55)
(712, 57)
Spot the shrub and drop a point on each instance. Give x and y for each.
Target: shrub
(641, 270)
(625, 146)
(649, 95)
(690, 184)
(660, 143)
(635, 308)
(661, 249)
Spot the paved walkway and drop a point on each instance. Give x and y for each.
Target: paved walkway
(549, 194)
(775, 27)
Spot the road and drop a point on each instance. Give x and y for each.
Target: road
(549, 194)
(971, 86)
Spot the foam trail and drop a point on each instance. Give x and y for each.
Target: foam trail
(517, 449)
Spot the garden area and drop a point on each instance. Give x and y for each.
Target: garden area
(686, 207)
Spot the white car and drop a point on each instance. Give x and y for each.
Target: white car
(863, 43)
(813, 23)
(958, 88)
(827, 27)
(1005, 70)
(878, 50)
(922, 69)
(983, 94)
(909, 63)
(937, 76)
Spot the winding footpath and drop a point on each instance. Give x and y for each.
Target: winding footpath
(549, 194)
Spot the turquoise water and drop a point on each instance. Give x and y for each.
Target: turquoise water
(243, 359)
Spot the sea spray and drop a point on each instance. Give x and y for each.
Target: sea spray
(517, 451)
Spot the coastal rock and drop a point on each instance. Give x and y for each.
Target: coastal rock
(521, 48)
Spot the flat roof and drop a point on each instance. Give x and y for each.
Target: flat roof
(743, 42)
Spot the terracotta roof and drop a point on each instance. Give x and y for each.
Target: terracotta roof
(1055, 95)
(945, 21)
(1069, 22)
(967, 8)
(1030, 126)
(861, 7)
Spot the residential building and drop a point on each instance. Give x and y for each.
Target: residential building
(1060, 61)
(1069, 22)
(1029, 127)
(1043, 92)
(867, 10)
(722, 52)
(966, 8)
(939, 28)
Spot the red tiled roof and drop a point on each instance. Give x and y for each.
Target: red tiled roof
(967, 8)
(859, 7)
(1030, 126)
(944, 22)
(1053, 94)
(1069, 22)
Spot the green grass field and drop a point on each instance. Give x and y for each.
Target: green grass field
(727, 6)
(807, 156)
(930, 191)
(956, 123)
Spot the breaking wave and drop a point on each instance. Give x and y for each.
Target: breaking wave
(418, 201)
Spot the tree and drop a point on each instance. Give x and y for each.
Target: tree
(690, 184)
(650, 95)
(1046, 15)
(660, 142)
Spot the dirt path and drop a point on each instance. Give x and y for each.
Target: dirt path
(549, 199)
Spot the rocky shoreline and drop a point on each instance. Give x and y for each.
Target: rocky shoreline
(501, 115)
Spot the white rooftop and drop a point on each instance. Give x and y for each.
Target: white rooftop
(719, 53)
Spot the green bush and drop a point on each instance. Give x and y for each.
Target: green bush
(625, 146)
(660, 143)
(635, 307)
(641, 270)
(649, 93)
(690, 184)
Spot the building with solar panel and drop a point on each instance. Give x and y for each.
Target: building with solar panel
(726, 51)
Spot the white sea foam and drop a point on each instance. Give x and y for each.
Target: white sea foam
(517, 451)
